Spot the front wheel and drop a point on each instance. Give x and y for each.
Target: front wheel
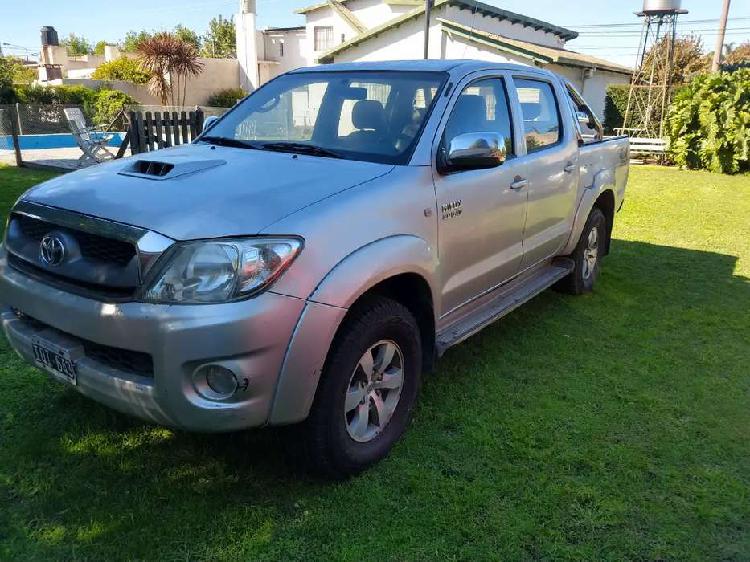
(587, 255)
(366, 392)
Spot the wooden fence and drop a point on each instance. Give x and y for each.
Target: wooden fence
(149, 131)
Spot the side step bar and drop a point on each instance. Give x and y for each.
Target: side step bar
(505, 302)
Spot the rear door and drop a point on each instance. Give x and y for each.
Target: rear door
(550, 166)
(480, 215)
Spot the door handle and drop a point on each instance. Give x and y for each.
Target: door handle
(519, 183)
(569, 168)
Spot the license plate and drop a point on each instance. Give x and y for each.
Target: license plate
(56, 360)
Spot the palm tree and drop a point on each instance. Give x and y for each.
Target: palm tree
(169, 60)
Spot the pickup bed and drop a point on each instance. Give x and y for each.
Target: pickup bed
(315, 250)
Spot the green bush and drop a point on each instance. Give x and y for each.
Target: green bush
(709, 123)
(108, 107)
(124, 68)
(616, 104)
(100, 106)
(226, 98)
(58, 95)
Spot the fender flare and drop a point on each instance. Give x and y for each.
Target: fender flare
(603, 181)
(326, 308)
(354, 275)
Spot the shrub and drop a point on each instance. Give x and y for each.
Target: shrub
(60, 95)
(124, 68)
(107, 108)
(616, 104)
(100, 106)
(709, 123)
(226, 98)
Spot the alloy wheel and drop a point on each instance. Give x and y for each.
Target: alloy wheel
(374, 391)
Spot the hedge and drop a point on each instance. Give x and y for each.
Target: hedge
(124, 68)
(100, 106)
(226, 98)
(616, 104)
(709, 123)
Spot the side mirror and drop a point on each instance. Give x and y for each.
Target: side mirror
(208, 122)
(583, 118)
(476, 150)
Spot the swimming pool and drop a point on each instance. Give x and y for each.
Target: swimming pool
(52, 140)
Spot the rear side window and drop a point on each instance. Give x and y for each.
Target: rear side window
(541, 117)
(482, 107)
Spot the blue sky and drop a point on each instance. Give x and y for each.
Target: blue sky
(96, 20)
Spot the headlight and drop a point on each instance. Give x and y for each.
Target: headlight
(212, 271)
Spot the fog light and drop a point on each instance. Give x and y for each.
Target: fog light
(215, 382)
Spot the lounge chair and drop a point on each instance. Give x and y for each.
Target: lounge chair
(90, 140)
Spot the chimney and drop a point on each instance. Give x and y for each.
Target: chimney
(247, 49)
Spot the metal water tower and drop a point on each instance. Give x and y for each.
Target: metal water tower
(650, 86)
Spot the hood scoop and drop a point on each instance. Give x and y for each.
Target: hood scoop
(161, 170)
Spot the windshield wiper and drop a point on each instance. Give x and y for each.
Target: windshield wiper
(224, 141)
(301, 148)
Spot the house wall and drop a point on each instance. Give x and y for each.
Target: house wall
(218, 74)
(324, 17)
(498, 27)
(295, 42)
(406, 42)
(373, 13)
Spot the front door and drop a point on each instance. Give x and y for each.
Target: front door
(481, 217)
(551, 165)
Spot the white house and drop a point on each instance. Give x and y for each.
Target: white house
(359, 30)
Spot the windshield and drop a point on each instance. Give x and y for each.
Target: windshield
(375, 116)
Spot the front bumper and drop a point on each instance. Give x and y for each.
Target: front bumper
(249, 337)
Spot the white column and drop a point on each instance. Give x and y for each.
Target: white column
(247, 49)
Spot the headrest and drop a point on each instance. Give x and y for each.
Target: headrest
(531, 111)
(369, 114)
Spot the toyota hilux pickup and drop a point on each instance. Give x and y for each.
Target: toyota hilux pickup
(314, 250)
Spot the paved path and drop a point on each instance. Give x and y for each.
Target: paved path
(65, 158)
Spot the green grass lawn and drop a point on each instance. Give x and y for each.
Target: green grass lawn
(611, 426)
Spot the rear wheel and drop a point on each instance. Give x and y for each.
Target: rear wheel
(366, 392)
(587, 255)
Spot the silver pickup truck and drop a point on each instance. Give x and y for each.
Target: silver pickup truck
(314, 250)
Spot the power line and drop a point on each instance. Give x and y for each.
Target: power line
(638, 23)
(637, 33)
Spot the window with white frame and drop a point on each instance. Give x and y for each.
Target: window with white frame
(323, 37)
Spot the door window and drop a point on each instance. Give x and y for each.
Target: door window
(592, 130)
(482, 107)
(541, 117)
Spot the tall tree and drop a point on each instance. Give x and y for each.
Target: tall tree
(99, 48)
(738, 55)
(689, 59)
(220, 41)
(76, 45)
(132, 39)
(188, 36)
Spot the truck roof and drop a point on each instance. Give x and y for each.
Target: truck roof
(455, 65)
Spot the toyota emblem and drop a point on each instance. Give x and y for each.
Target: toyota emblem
(52, 250)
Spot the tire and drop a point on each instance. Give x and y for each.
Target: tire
(591, 243)
(333, 442)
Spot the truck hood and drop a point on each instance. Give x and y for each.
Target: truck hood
(202, 191)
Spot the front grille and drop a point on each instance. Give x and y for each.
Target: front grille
(100, 257)
(92, 290)
(92, 246)
(135, 362)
